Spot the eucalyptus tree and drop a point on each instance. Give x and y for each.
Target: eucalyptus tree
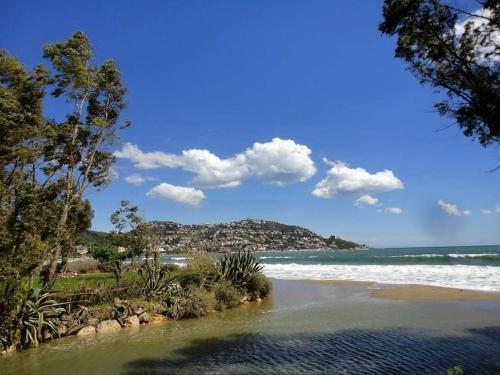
(78, 152)
(457, 51)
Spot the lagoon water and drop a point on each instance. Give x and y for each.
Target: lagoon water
(303, 328)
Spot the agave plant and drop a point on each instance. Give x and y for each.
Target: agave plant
(154, 282)
(240, 268)
(38, 313)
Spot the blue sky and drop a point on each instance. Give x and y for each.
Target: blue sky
(315, 76)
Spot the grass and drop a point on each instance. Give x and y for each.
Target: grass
(89, 280)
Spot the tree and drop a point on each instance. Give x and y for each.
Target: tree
(456, 51)
(78, 152)
(134, 233)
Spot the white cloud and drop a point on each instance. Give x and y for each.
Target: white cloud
(138, 179)
(488, 32)
(147, 160)
(486, 211)
(367, 200)
(278, 162)
(497, 210)
(467, 212)
(391, 210)
(341, 180)
(181, 194)
(450, 208)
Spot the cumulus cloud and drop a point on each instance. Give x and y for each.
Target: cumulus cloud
(147, 160)
(367, 200)
(497, 210)
(341, 180)
(485, 211)
(452, 209)
(181, 194)
(280, 162)
(486, 52)
(137, 179)
(391, 210)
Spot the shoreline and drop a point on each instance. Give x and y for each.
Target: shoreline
(412, 292)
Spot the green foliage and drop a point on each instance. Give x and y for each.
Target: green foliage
(201, 270)
(259, 286)
(240, 268)
(106, 254)
(464, 63)
(154, 282)
(226, 295)
(37, 313)
(182, 303)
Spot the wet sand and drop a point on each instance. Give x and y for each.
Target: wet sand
(414, 292)
(433, 293)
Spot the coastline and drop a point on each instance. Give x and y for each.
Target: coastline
(414, 292)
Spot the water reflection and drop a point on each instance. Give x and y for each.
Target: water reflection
(352, 351)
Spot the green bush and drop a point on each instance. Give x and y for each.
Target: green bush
(226, 295)
(259, 286)
(180, 303)
(201, 270)
(240, 268)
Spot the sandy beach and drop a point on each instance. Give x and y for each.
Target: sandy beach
(414, 292)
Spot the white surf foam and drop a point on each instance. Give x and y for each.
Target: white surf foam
(486, 278)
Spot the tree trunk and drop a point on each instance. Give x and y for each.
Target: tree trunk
(57, 247)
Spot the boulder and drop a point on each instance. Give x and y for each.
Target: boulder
(108, 326)
(258, 299)
(131, 321)
(144, 317)
(85, 331)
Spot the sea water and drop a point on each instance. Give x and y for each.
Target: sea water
(465, 267)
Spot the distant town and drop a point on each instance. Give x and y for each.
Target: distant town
(248, 234)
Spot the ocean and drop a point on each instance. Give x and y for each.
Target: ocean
(464, 267)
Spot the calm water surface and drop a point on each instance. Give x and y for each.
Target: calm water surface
(304, 328)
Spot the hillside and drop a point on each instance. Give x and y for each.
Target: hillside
(248, 234)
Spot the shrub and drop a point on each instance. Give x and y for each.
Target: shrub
(170, 267)
(182, 303)
(226, 295)
(239, 268)
(201, 270)
(38, 313)
(154, 282)
(85, 265)
(259, 286)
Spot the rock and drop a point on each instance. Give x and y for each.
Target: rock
(157, 318)
(144, 317)
(138, 311)
(85, 331)
(108, 326)
(244, 299)
(93, 322)
(131, 321)
(258, 299)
